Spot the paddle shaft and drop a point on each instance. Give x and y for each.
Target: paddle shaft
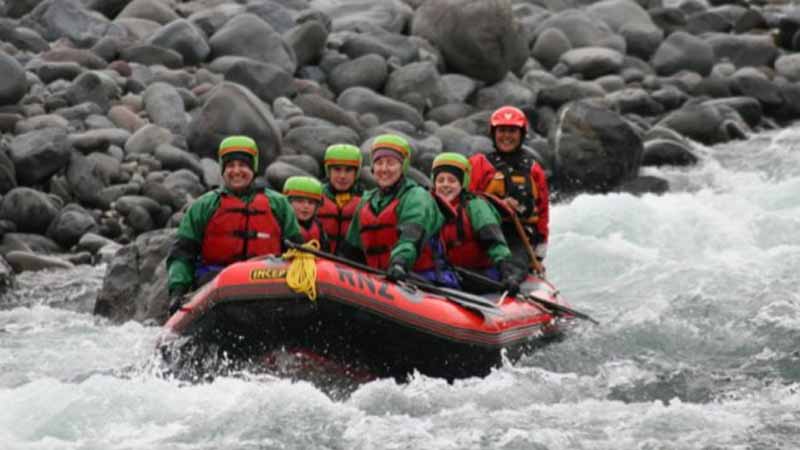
(535, 264)
(540, 301)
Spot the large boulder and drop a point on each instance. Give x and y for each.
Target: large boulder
(247, 35)
(13, 84)
(233, 109)
(683, 51)
(391, 15)
(183, 37)
(55, 19)
(479, 39)
(595, 149)
(135, 283)
(31, 210)
(366, 101)
(39, 154)
(582, 30)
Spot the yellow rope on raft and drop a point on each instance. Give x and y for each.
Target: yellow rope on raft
(302, 274)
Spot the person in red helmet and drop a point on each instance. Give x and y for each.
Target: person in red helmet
(513, 175)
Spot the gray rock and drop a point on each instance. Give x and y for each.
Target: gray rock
(173, 158)
(369, 71)
(635, 101)
(82, 57)
(449, 112)
(151, 55)
(314, 140)
(138, 29)
(135, 284)
(123, 117)
(70, 224)
(788, 66)
(417, 84)
(316, 106)
(233, 109)
(55, 19)
(93, 87)
(247, 35)
(307, 40)
(592, 62)
(748, 108)
(363, 101)
(7, 279)
(702, 123)
(93, 242)
(644, 184)
(595, 149)
(510, 91)
(659, 152)
(98, 140)
(29, 242)
(183, 37)
(8, 174)
(641, 40)
(682, 51)
(41, 122)
(582, 30)
(147, 138)
(165, 107)
(752, 83)
(22, 261)
(459, 88)
(487, 28)
(267, 81)
(211, 172)
(568, 90)
(391, 15)
(86, 180)
(279, 171)
(274, 13)
(549, 46)
(306, 163)
(79, 112)
(393, 46)
(13, 84)
(210, 20)
(39, 154)
(31, 210)
(186, 185)
(154, 10)
(744, 50)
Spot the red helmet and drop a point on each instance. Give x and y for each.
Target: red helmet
(508, 116)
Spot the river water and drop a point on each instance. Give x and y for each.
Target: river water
(697, 292)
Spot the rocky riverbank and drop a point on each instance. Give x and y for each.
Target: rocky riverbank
(111, 110)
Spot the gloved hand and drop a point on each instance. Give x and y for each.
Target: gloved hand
(177, 298)
(511, 275)
(396, 272)
(541, 251)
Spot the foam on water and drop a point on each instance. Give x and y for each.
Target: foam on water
(697, 291)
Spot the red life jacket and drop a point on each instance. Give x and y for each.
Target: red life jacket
(460, 241)
(336, 221)
(239, 231)
(312, 232)
(379, 234)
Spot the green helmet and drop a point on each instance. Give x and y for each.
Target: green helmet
(391, 143)
(306, 187)
(237, 146)
(451, 161)
(342, 155)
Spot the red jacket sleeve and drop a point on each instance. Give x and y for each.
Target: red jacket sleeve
(482, 172)
(543, 200)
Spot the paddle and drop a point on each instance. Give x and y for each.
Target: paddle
(556, 307)
(464, 299)
(535, 264)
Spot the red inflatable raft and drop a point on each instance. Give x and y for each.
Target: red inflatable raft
(357, 318)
